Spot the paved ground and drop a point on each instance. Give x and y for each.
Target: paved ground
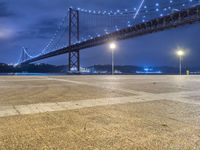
(100, 112)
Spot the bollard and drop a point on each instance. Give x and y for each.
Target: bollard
(188, 72)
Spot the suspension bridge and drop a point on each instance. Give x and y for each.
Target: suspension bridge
(81, 28)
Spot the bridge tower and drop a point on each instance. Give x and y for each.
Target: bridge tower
(74, 35)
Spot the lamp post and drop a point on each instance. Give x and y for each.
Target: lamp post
(180, 54)
(112, 48)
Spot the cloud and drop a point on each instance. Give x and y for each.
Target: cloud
(5, 33)
(4, 12)
(41, 29)
(47, 26)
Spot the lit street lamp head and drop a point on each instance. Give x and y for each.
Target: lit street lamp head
(112, 46)
(180, 53)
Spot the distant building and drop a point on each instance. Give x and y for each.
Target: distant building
(118, 72)
(84, 70)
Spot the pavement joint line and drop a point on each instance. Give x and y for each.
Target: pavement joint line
(100, 86)
(6, 111)
(23, 80)
(16, 109)
(61, 106)
(123, 90)
(72, 105)
(22, 86)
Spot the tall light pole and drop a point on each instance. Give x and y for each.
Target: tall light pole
(180, 54)
(113, 47)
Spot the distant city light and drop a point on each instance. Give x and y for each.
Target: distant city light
(148, 70)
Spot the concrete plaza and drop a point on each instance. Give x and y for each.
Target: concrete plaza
(100, 112)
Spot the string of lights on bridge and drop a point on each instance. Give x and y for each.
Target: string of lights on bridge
(144, 9)
(144, 14)
(129, 17)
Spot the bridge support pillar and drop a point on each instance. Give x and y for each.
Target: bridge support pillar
(74, 35)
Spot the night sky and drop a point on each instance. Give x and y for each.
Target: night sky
(31, 23)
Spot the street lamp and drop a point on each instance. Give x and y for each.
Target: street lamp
(180, 53)
(112, 48)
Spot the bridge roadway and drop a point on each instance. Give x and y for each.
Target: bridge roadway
(184, 17)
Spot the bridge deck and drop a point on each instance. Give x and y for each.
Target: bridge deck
(176, 19)
(100, 112)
